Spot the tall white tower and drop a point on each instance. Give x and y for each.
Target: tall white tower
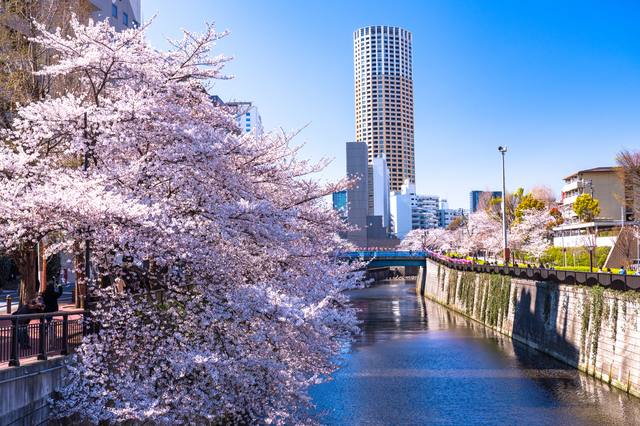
(384, 98)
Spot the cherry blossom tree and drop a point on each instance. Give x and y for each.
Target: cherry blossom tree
(420, 239)
(532, 233)
(138, 161)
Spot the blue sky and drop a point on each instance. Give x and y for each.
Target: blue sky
(558, 82)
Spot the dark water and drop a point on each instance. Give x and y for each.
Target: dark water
(417, 363)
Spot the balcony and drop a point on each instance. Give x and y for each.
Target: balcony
(570, 200)
(573, 186)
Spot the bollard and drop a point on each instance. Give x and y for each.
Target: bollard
(73, 296)
(8, 304)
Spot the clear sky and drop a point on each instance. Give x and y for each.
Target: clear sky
(558, 82)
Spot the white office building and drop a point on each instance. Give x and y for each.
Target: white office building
(446, 216)
(247, 116)
(379, 195)
(412, 211)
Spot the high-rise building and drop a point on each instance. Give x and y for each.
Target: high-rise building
(372, 232)
(384, 98)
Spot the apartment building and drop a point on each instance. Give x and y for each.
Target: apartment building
(121, 14)
(603, 185)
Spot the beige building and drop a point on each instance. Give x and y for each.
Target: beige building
(603, 184)
(384, 98)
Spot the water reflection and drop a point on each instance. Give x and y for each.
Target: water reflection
(417, 363)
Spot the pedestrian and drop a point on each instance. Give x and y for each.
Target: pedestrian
(33, 306)
(622, 271)
(50, 298)
(120, 284)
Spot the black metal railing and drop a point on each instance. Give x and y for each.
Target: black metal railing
(621, 282)
(61, 335)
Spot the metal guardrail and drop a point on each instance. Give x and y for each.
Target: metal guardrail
(589, 279)
(368, 254)
(61, 336)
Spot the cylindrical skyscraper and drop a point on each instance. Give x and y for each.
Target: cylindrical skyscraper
(384, 98)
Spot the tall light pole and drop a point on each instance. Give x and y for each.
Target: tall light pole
(504, 209)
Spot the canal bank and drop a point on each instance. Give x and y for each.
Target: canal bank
(417, 362)
(593, 330)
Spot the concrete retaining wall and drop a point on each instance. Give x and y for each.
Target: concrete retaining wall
(25, 390)
(591, 329)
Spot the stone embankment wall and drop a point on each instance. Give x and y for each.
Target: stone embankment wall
(25, 391)
(594, 330)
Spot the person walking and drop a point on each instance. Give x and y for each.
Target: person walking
(120, 284)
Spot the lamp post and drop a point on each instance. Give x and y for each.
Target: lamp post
(591, 257)
(504, 209)
(589, 182)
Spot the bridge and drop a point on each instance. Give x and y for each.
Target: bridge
(383, 260)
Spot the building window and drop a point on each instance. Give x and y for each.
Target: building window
(135, 24)
(125, 19)
(114, 11)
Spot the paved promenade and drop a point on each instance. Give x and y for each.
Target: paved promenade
(65, 299)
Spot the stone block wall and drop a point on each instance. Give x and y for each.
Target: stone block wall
(25, 391)
(591, 329)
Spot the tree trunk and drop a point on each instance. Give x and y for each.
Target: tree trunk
(81, 284)
(26, 259)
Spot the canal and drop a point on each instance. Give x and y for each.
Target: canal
(418, 363)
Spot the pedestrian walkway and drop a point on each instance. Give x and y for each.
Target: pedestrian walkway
(15, 298)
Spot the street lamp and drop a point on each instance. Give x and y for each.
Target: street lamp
(504, 208)
(591, 257)
(589, 182)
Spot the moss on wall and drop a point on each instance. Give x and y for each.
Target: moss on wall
(451, 287)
